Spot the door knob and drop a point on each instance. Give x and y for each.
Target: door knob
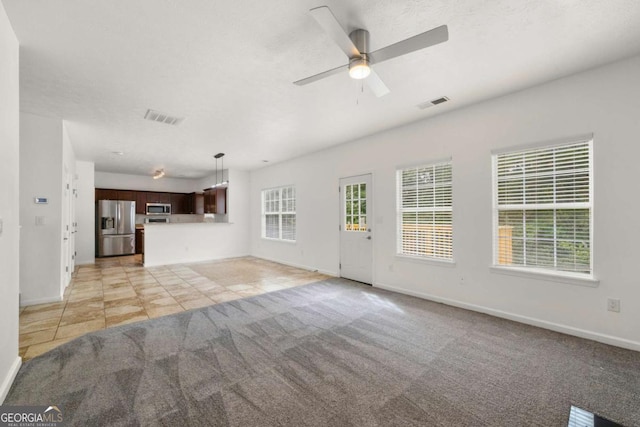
(368, 237)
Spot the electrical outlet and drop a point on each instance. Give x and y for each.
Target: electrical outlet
(613, 304)
(461, 281)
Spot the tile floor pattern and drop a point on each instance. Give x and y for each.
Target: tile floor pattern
(119, 290)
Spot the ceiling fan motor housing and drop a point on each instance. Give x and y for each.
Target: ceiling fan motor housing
(360, 39)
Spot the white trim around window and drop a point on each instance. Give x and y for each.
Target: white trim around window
(543, 209)
(279, 213)
(425, 212)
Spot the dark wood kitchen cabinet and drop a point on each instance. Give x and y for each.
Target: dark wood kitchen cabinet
(196, 203)
(106, 194)
(215, 200)
(139, 240)
(126, 195)
(141, 202)
(157, 197)
(180, 203)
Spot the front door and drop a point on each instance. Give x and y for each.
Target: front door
(356, 241)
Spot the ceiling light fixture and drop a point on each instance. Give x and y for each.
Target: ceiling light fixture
(223, 182)
(159, 174)
(359, 68)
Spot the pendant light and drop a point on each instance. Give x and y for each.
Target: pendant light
(218, 183)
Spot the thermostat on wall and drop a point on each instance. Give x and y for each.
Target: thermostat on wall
(41, 200)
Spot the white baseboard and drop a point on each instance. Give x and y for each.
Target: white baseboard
(26, 302)
(303, 267)
(7, 381)
(557, 327)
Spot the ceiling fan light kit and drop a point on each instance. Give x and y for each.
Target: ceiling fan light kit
(356, 47)
(359, 68)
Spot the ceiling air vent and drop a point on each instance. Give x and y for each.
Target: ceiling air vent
(433, 102)
(157, 116)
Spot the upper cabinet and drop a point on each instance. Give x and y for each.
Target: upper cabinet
(102, 194)
(215, 200)
(106, 194)
(156, 197)
(179, 203)
(195, 203)
(126, 195)
(141, 202)
(212, 201)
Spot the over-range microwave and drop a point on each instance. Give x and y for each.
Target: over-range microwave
(158, 209)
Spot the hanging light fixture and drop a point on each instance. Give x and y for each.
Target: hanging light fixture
(159, 174)
(222, 182)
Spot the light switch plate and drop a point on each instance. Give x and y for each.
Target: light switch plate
(39, 220)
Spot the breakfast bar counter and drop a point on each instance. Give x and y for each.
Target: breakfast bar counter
(177, 243)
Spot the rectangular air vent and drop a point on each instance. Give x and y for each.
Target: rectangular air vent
(157, 116)
(433, 102)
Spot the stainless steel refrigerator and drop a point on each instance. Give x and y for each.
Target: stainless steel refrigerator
(115, 228)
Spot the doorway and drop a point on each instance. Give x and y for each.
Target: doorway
(356, 239)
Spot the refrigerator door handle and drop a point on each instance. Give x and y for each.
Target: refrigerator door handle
(118, 218)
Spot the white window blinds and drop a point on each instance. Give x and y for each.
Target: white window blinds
(543, 208)
(425, 211)
(279, 213)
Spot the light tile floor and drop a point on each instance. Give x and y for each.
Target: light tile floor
(120, 290)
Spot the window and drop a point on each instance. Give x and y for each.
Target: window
(355, 205)
(425, 212)
(543, 208)
(279, 213)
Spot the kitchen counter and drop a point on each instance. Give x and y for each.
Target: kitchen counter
(176, 243)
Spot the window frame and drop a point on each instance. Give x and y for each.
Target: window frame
(449, 261)
(279, 212)
(541, 272)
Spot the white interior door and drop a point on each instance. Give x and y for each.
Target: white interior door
(66, 231)
(74, 227)
(356, 239)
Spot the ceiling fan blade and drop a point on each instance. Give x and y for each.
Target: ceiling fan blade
(332, 27)
(376, 84)
(426, 39)
(322, 75)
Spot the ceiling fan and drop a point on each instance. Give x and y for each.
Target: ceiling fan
(356, 47)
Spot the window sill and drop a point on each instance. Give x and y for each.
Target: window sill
(553, 277)
(431, 261)
(270, 239)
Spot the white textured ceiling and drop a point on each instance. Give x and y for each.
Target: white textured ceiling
(228, 67)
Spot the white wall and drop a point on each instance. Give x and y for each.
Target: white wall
(238, 201)
(604, 101)
(9, 202)
(85, 213)
(41, 160)
(166, 244)
(120, 181)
